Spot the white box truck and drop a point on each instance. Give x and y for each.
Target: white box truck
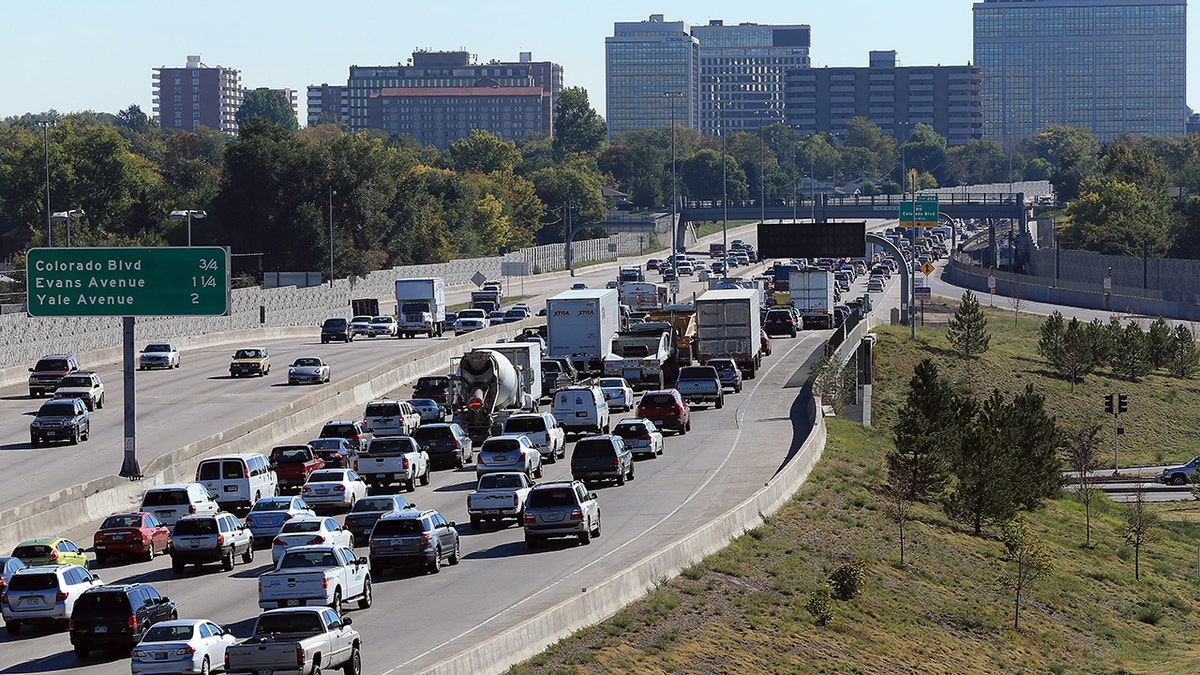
(729, 325)
(811, 292)
(420, 307)
(580, 325)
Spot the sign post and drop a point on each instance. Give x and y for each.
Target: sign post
(128, 282)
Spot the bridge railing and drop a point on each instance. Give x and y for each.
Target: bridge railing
(805, 201)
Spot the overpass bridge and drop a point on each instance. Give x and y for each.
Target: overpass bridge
(821, 208)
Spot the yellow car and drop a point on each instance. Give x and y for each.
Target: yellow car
(50, 551)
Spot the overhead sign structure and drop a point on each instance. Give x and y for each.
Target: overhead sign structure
(164, 281)
(926, 207)
(812, 240)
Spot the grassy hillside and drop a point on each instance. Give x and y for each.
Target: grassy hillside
(743, 609)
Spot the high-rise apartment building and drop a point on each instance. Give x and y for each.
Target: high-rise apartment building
(1110, 66)
(328, 100)
(742, 71)
(439, 116)
(445, 71)
(896, 98)
(652, 75)
(197, 95)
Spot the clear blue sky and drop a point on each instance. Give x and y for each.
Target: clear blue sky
(73, 55)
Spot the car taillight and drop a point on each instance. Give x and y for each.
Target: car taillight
(220, 540)
(425, 539)
(317, 540)
(325, 583)
(278, 542)
(192, 509)
(577, 515)
(132, 622)
(530, 519)
(616, 461)
(185, 651)
(245, 472)
(514, 500)
(644, 438)
(53, 554)
(404, 463)
(260, 585)
(288, 517)
(4, 599)
(299, 658)
(61, 596)
(339, 488)
(356, 465)
(306, 490)
(70, 624)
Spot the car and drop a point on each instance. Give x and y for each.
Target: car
(338, 453)
(495, 318)
(360, 325)
(333, 489)
(238, 480)
(617, 392)
(543, 431)
(470, 320)
(667, 409)
(541, 342)
(580, 409)
(352, 430)
(685, 268)
(765, 341)
(561, 509)
(250, 361)
(46, 373)
(653, 263)
(717, 267)
(338, 328)
(306, 530)
(451, 317)
(217, 537)
(83, 385)
(50, 551)
(605, 457)
(428, 409)
(780, 321)
(308, 369)
(578, 286)
(447, 444)
(136, 534)
(181, 646)
(58, 420)
(515, 314)
(413, 537)
(383, 325)
(668, 274)
(511, 452)
(1178, 475)
(434, 387)
(640, 436)
(270, 513)
(171, 502)
(8, 567)
(362, 518)
(391, 418)
(45, 594)
(159, 355)
(875, 285)
(117, 616)
(728, 371)
(557, 373)
(611, 283)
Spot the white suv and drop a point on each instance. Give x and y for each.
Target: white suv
(542, 430)
(45, 594)
(171, 502)
(391, 418)
(84, 385)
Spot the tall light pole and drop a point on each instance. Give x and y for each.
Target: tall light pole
(674, 205)
(724, 198)
(65, 217)
(46, 126)
(762, 167)
(332, 192)
(188, 214)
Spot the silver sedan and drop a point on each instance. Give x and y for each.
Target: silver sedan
(308, 369)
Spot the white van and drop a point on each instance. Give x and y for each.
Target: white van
(238, 480)
(581, 409)
(171, 502)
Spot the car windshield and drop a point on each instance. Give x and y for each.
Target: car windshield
(165, 498)
(75, 381)
(375, 504)
(500, 480)
(357, 319)
(162, 633)
(272, 505)
(384, 446)
(611, 382)
(307, 363)
(472, 314)
(658, 399)
(99, 605)
(158, 348)
(389, 527)
(247, 354)
(57, 409)
(422, 402)
(327, 443)
(326, 477)
(301, 526)
(52, 364)
(306, 623)
(31, 551)
(382, 409)
(426, 433)
(593, 448)
(290, 455)
(121, 521)
(382, 319)
(501, 445)
(339, 323)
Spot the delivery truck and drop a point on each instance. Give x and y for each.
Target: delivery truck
(579, 326)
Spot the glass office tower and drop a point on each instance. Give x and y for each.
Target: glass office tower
(652, 75)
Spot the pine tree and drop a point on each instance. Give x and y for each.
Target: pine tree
(980, 466)
(1130, 356)
(1184, 359)
(1035, 439)
(1067, 346)
(967, 329)
(1159, 343)
(926, 425)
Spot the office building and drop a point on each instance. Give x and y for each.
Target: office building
(328, 100)
(896, 98)
(197, 95)
(438, 116)
(742, 69)
(428, 70)
(652, 75)
(1109, 66)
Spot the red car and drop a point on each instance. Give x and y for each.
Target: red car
(766, 342)
(667, 409)
(136, 534)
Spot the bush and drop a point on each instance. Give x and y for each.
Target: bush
(820, 606)
(1151, 613)
(849, 579)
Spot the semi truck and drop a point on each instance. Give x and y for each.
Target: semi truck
(682, 319)
(579, 326)
(643, 355)
(811, 293)
(420, 307)
(729, 325)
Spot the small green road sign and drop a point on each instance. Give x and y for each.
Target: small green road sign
(166, 281)
(927, 211)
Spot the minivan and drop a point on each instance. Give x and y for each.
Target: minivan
(171, 502)
(238, 480)
(581, 409)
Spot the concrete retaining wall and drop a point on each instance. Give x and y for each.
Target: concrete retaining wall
(95, 499)
(497, 653)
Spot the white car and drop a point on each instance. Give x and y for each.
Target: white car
(159, 355)
(469, 320)
(617, 392)
(182, 646)
(308, 369)
(496, 318)
(360, 325)
(83, 385)
(44, 594)
(509, 453)
(383, 325)
(328, 489)
(307, 530)
(641, 436)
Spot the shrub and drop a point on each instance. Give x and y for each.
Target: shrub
(849, 579)
(1151, 613)
(820, 605)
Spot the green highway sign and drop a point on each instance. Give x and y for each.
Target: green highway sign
(167, 281)
(927, 211)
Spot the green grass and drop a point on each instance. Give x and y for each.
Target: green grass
(707, 227)
(743, 609)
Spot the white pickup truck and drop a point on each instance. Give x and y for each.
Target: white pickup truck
(542, 430)
(393, 459)
(498, 496)
(299, 641)
(320, 574)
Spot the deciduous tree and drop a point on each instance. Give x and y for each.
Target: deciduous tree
(1139, 528)
(1082, 452)
(1026, 560)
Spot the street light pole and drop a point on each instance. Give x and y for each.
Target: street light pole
(332, 192)
(46, 126)
(762, 169)
(724, 200)
(189, 214)
(674, 199)
(65, 217)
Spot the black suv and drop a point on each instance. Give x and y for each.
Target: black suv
(117, 616)
(433, 387)
(336, 328)
(447, 444)
(63, 419)
(351, 430)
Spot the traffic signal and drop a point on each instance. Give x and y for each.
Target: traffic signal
(1122, 403)
(1108, 403)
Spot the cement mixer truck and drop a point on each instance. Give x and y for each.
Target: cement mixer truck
(486, 389)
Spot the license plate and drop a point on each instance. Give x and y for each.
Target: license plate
(116, 536)
(51, 433)
(491, 512)
(581, 413)
(552, 517)
(231, 488)
(293, 603)
(101, 629)
(164, 514)
(160, 656)
(500, 459)
(322, 491)
(266, 672)
(30, 602)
